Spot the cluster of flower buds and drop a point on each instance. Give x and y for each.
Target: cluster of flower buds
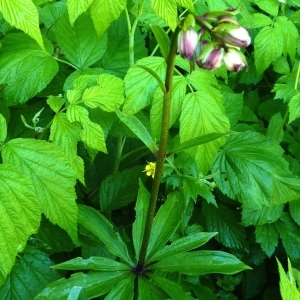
(227, 37)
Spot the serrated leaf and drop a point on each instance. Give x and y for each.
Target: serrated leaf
(48, 168)
(275, 130)
(116, 59)
(103, 229)
(55, 103)
(250, 168)
(213, 119)
(51, 12)
(108, 94)
(223, 220)
(267, 236)
(140, 85)
(95, 284)
(184, 244)
(284, 91)
(139, 130)
(24, 68)
(289, 232)
(23, 15)
(269, 6)
(200, 263)
(80, 48)
(141, 210)
(77, 113)
(173, 289)
(257, 20)
(92, 263)
(20, 215)
(294, 207)
(3, 129)
(265, 215)
(268, 46)
(103, 12)
(294, 108)
(30, 274)
(77, 7)
(66, 135)
(233, 104)
(124, 290)
(165, 223)
(120, 189)
(167, 10)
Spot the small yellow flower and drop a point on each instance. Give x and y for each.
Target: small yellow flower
(150, 169)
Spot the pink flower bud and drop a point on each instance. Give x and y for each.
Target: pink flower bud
(234, 60)
(211, 55)
(187, 43)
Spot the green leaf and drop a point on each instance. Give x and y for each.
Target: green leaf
(20, 215)
(66, 135)
(289, 232)
(268, 46)
(165, 223)
(148, 291)
(107, 95)
(124, 290)
(82, 49)
(76, 8)
(225, 221)
(103, 12)
(233, 104)
(103, 229)
(139, 129)
(53, 182)
(290, 34)
(120, 189)
(288, 288)
(284, 91)
(213, 119)
(173, 289)
(77, 293)
(257, 20)
(30, 274)
(3, 129)
(265, 215)
(55, 102)
(23, 15)
(200, 263)
(269, 6)
(294, 108)
(141, 210)
(294, 207)
(92, 263)
(95, 284)
(275, 130)
(267, 236)
(24, 68)
(116, 59)
(184, 244)
(140, 85)
(51, 12)
(251, 169)
(167, 10)
(161, 38)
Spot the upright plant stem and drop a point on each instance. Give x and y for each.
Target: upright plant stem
(162, 147)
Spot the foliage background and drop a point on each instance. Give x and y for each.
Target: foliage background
(79, 121)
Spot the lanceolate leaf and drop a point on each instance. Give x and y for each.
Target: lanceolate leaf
(250, 168)
(80, 48)
(23, 15)
(150, 291)
(161, 38)
(77, 7)
(103, 12)
(20, 215)
(124, 290)
(30, 274)
(200, 263)
(47, 167)
(165, 223)
(97, 224)
(24, 68)
(95, 284)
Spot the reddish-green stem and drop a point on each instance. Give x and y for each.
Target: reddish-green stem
(162, 147)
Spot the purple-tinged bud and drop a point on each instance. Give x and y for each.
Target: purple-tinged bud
(234, 60)
(211, 55)
(187, 43)
(233, 34)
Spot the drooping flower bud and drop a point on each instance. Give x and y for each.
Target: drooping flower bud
(187, 43)
(234, 60)
(233, 34)
(210, 55)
